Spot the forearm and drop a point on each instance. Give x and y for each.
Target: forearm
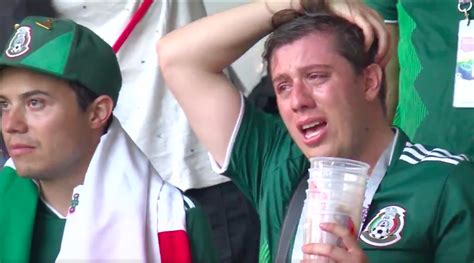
(212, 43)
(192, 59)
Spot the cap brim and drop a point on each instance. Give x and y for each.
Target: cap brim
(10, 64)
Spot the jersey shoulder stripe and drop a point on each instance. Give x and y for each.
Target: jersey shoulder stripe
(415, 153)
(188, 203)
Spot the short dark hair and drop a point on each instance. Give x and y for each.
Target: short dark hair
(348, 38)
(85, 97)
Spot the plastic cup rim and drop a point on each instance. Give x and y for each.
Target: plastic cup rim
(351, 171)
(354, 163)
(351, 183)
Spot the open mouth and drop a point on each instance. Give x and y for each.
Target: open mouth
(313, 129)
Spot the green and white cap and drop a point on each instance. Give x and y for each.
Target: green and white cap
(66, 50)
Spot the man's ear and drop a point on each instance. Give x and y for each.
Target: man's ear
(100, 111)
(373, 77)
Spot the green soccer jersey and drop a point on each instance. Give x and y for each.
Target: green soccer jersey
(428, 36)
(47, 234)
(423, 211)
(30, 231)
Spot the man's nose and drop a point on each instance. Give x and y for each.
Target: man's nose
(13, 120)
(301, 97)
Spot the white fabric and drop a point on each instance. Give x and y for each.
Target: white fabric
(148, 111)
(123, 204)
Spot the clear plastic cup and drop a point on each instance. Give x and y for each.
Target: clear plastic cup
(313, 233)
(349, 194)
(336, 189)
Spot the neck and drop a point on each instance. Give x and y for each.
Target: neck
(379, 137)
(58, 192)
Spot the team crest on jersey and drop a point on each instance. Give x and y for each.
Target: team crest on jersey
(384, 229)
(20, 43)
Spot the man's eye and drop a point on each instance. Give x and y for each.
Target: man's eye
(3, 105)
(314, 76)
(317, 78)
(36, 103)
(283, 87)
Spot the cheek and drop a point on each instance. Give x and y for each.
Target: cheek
(62, 132)
(286, 113)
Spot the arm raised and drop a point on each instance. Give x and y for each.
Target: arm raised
(192, 60)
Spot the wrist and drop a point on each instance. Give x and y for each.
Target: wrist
(312, 6)
(276, 6)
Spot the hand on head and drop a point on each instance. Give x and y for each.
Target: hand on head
(353, 10)
(278, 5)
(369, 21)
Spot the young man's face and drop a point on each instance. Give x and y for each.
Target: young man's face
(46, 133)
(320, 97)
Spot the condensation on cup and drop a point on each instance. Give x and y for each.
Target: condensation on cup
(336, 189)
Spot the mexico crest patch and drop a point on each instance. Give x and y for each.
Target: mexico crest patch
(384, 229)
(20, 43)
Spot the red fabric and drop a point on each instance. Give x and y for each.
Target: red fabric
(174, 247)
(132, 24)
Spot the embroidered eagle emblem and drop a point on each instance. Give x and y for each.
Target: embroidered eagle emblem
(384, 229)
(20, 42)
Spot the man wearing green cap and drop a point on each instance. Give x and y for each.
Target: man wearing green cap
(76, 186)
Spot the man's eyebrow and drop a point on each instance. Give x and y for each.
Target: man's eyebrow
(279, 77)
(26, 95)
(33, 93)
(283, 76)
(322, 66)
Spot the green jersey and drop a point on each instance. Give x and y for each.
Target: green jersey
(428, 37)
(31, 231)
(425, 198)
(47, 234)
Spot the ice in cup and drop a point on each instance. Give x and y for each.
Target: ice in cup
(335, 194)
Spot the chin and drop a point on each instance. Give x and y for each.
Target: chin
(312, 153)
(323, 149)
(318, 151)
(26, 172)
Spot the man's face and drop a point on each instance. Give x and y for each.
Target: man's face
(320, 97)
(46, 133)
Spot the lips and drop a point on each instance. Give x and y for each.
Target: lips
(16, 150)
(312, 130)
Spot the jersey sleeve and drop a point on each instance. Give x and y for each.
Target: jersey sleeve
(454, 234)
(200, 235)
(386, 8)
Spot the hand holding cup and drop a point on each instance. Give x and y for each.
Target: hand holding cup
(347, 251)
